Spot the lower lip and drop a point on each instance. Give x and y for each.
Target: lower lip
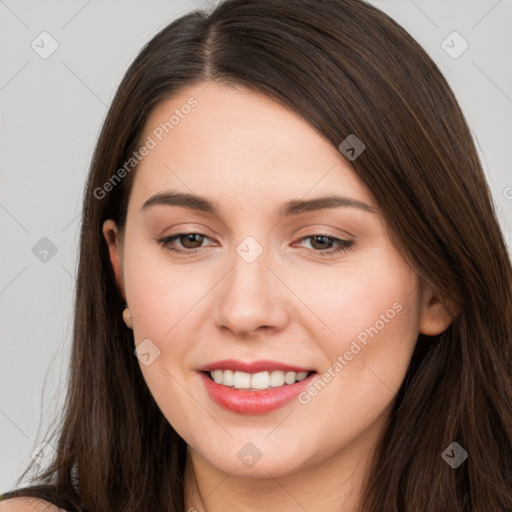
(244, 401)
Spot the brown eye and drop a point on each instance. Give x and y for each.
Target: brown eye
(184, 242)
(191, 240)
(325, 245)
(321, 242)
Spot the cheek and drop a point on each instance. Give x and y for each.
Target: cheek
(369, 319)
(347, 302)
(374, 324)
(163, 302)
(162, 296)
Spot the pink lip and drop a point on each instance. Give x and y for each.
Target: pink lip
(254, 367)
(245, 401)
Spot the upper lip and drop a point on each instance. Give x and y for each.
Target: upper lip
(252, 367)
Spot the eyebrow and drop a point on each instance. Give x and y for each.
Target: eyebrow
(293, 207)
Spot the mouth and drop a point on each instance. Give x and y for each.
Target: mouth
(254, 388)
(259, 381)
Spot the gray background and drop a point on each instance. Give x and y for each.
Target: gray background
(51, 113)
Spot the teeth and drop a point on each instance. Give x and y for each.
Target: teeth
(217, 376)
(276, 379)
(289, 377)
(261, 380)
(227, 377)
(241, 380)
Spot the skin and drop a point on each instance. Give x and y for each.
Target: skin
(249, 154)
(28, 505)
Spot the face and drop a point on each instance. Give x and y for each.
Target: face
(261, 280)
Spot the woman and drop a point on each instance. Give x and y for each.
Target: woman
(293, 292)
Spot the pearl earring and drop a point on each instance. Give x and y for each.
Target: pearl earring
(127, 317)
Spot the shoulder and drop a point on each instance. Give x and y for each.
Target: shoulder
(27, 505)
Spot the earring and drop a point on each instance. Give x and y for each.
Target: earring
(127, 317)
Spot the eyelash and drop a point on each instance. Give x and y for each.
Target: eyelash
(344, 245)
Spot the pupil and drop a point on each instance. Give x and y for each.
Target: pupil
(190, 238)
(324, 238)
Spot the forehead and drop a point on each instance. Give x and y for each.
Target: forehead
(224, 141)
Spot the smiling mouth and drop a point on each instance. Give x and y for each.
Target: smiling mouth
(259, 381)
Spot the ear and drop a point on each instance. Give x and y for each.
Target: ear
(110, 232)
(436, 315)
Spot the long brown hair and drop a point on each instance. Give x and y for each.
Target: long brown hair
(346, 68)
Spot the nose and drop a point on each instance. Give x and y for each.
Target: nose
(251, 298)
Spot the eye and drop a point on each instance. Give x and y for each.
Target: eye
(190, 242)
(325, 245)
